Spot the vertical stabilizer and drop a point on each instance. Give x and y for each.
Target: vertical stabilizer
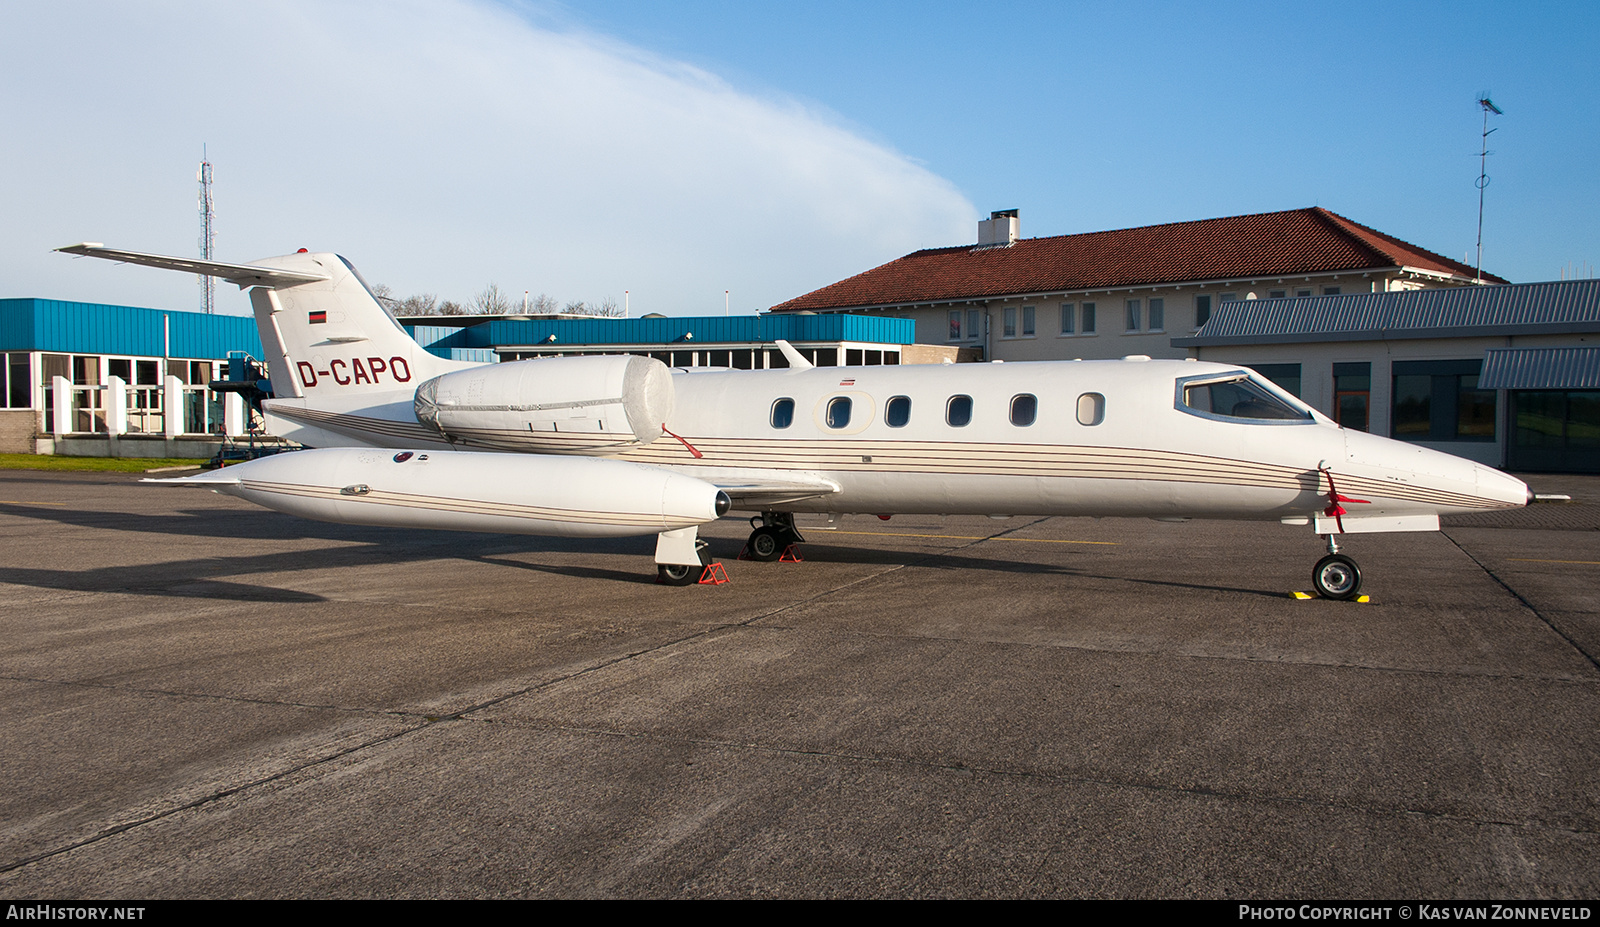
(332, 337)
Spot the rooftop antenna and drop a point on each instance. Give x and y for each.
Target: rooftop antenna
(1483, 174)
(208, 232)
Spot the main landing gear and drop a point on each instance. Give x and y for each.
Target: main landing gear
(684, 574)
(1336, 576)
(773, 533)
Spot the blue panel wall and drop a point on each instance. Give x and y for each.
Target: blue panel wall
(98, 328)
(705, 329)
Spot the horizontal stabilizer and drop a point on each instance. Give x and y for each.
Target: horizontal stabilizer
(244, 275)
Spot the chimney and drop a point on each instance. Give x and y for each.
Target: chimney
(1001, 228)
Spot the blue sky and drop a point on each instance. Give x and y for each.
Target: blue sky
(675, 150)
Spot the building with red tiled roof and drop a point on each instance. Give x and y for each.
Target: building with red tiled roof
(1127, 291)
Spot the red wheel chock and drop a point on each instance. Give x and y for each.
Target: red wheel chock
(713, 575)
(791, 554)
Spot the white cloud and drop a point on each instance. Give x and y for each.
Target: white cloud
(439, 146)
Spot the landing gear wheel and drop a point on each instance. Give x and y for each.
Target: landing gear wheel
(765, 544)
(678, 574)
(1336, 577)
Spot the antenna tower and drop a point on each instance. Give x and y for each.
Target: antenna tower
(1483, 173)
(208, 232)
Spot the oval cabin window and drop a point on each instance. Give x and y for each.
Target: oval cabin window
(783, 413)
(1091, 409)
(958, 413)
(1024, 408)
(839, 412)
(898, 412)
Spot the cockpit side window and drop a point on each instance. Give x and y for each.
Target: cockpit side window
(1236, 397)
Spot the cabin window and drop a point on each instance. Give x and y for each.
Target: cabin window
(839, 412)
(783, 413)
(1024, 409)
(1091, 409)
(1236, 396)
(897, 414)
(958, 412)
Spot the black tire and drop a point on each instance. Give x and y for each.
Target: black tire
(1336, 577)
(678, 574)
(765, 545)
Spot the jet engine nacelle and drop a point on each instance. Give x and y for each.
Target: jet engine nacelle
(551, 405)
(451, 490)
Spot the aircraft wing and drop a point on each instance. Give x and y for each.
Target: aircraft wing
(764, 493)
(242, 274)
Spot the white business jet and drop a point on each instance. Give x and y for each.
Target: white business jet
(610, 446)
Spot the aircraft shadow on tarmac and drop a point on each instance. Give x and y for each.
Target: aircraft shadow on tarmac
(202, 577)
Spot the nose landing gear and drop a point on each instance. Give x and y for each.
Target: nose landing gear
(1336, 576)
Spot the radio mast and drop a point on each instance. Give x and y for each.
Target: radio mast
(1483, 171)
(208, 232)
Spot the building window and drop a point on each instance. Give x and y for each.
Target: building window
(1010, 324)
(1440, 401)
(1230, 297)
(783, 413)
(1303, 291)
(1088, 318)
(1024, 409)
(1277, 294)
(974, 325)
(1158, 315)
(958, 412)
(1027, 321)
(1067, 318)
(1286, 376)
(897, 414)
(955, 324)
(1555, 430)
(1352, 394)
(1202, 310)
(1330, 291)
(16, 390)
(1133, 315)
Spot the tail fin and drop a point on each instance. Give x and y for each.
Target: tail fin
(323, 330)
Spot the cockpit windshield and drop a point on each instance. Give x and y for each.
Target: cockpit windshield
(1236, 396)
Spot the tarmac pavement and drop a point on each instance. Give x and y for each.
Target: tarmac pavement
(205, 699)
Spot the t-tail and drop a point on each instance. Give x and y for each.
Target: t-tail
(339, 362)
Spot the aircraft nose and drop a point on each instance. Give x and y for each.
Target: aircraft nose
(1502, 487)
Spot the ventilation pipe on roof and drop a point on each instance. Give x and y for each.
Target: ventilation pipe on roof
(1001, 228)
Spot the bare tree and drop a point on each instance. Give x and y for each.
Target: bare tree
(421, 304)
(544, 304)
(491, 301)
(576, 307)
(451, 307)
(608, 307)
(385, 296)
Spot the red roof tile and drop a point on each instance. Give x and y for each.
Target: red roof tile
(1273, 244)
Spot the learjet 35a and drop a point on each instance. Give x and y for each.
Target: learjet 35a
(609, 446)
